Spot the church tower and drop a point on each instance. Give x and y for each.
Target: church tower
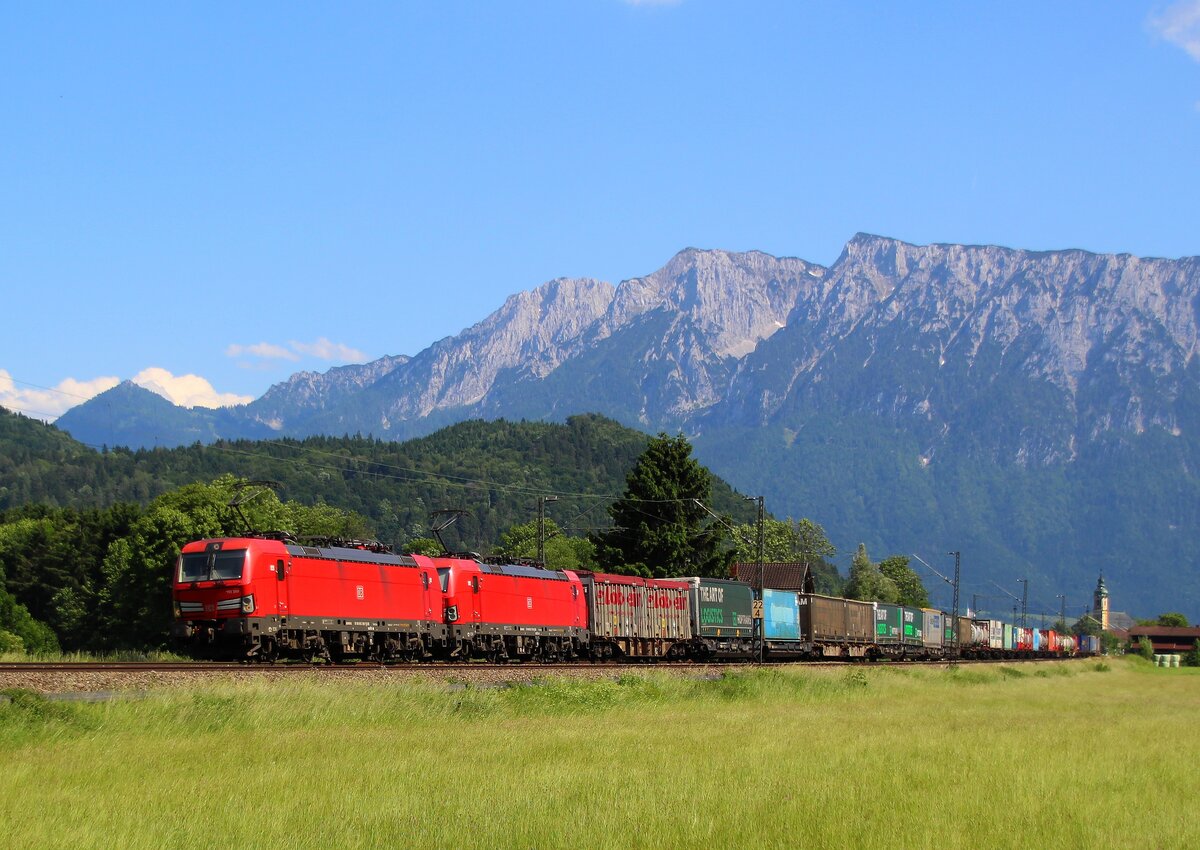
(1100, 603)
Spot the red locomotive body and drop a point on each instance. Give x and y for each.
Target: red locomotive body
(260, 597)
(512, 611)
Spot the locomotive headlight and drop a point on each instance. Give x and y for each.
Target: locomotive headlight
(248, 604)
(178, 611)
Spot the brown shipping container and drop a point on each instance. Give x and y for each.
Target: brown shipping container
(829, 618)
(860, 620)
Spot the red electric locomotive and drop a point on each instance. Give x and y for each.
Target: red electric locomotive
(268, 596)
(511, 611)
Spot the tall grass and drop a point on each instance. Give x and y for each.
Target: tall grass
(996, 757)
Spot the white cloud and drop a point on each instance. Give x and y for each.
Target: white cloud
(186, 390)
(322, 349)
(1179, 24)
(266, 350)
(48, 403)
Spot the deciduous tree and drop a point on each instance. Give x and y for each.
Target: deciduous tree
(867, 582)
(910, 590)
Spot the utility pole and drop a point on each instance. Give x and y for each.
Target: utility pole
(761, 549)
(542, 527)
(1024, 602)
(954, 636)
(974, 604)
(1062, 612)
(957, 565)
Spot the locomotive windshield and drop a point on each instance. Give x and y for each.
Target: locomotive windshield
(212, 566)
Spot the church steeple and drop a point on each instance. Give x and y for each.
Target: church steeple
(1100, 603)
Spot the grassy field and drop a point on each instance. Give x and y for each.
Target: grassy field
(1096, 754)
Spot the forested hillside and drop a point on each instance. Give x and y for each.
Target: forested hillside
(492, 470)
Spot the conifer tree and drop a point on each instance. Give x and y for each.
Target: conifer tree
(658, 527)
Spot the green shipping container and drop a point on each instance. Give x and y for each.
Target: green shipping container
(887, 623)
(912, 626)
(721, 608)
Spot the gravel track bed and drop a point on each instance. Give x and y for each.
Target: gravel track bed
(83, 681)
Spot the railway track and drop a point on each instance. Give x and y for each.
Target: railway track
(449, 667)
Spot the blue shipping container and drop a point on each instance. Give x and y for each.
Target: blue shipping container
(781, 615)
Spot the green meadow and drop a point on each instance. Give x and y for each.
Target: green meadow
(1088, 753)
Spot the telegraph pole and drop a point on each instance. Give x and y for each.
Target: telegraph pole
(1024, 602)
(542, 527)
(1062, 613)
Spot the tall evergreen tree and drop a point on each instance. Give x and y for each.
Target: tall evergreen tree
(658, 527)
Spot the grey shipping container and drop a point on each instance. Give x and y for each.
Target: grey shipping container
(932, 634)
(995, 634)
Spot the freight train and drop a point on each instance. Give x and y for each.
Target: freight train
(269, 596)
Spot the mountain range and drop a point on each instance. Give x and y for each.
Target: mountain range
(1036, 411)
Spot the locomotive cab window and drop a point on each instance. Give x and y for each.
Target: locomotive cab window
(223, 565)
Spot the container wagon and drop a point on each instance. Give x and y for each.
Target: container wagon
(639, 618)
(835, 627)
(781, 625)
(722, 613)
(911, 634)
(934, 633)
(889, 627)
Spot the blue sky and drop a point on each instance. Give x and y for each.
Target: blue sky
(209, 197)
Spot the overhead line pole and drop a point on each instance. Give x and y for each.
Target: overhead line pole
(953, 583)
(762, 545)
(957, 565)
(541, 552)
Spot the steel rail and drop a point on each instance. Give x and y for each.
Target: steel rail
(450, 667)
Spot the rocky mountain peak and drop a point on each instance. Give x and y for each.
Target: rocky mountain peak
(736, 299)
